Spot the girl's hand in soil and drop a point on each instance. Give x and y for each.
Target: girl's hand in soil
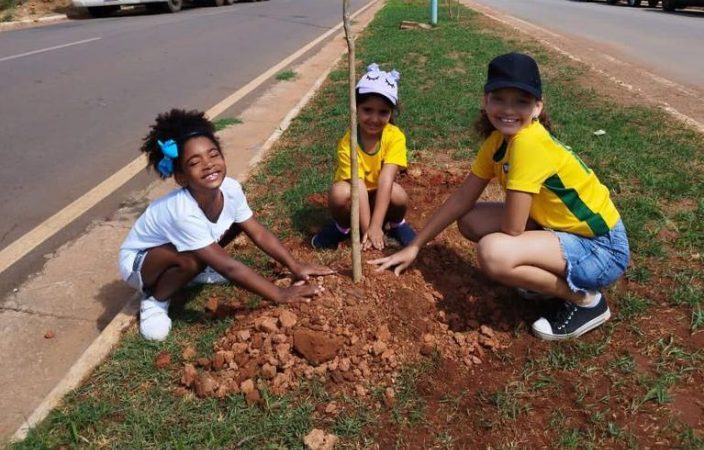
(298, 292)
(401, 259)
(304, 271)
(374, 237)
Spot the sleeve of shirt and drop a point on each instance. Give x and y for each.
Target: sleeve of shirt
(241, 211)
(483, 165)
(530, 165)
(344, 166)
(396, 152)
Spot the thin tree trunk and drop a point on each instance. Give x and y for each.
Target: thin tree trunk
(354, 216)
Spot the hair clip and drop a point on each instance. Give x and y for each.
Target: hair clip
(170, 151)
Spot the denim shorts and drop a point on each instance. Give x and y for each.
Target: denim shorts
(594, 263)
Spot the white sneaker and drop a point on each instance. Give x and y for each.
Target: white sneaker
(208, 276)
(154, 321)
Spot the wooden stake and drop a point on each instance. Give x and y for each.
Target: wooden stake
(354, 180)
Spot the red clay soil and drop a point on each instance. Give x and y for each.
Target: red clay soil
(472, 333)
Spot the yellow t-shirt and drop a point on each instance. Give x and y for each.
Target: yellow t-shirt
(391, 150)
(568, 195)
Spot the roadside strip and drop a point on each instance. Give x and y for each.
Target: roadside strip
(25, 244)
(319, 66)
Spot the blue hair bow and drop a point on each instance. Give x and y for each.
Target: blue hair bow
(170, 151)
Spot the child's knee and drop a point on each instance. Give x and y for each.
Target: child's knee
(189, 264)
(493, 254)
(399, 197)
(340, 194)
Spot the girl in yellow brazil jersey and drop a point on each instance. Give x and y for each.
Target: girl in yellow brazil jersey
(557, 234)
(381, 152)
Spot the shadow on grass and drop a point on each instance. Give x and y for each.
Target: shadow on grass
(309, 219)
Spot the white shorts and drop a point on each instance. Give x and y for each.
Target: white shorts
(131, 267)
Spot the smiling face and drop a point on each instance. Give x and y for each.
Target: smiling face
(374, 113)
(509, 110)
(202, 166)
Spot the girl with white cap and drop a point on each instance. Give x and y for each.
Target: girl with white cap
(381, 152)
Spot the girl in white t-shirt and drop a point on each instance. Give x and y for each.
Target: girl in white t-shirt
(183, 233)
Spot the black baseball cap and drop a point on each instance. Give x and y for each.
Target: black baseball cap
(514, 70)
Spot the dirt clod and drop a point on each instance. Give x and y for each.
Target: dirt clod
(316, 347)
(189, 375)
(205, 385)
(287, 319)
(320, 440)
(188, 353)
(163, 359)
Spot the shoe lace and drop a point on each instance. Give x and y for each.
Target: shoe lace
(564, 315)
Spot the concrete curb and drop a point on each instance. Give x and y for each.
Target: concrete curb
(94, 354)
(101, 347)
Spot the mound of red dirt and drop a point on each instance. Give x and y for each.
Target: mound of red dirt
(357, 340)
(358, 336)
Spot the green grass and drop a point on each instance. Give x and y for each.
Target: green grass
(7, 5)
(128, 403)
(224, 122)
(632, 305)
(286, 75)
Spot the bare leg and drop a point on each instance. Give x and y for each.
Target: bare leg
(397, 204)
(340, 204)
(165, 270)
(532, 260)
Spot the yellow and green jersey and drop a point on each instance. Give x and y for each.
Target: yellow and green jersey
(567, 194)
(390, 150)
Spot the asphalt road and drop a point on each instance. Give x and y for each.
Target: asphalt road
(668, 44)
(78, 96)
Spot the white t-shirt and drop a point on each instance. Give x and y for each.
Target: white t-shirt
(177, 219)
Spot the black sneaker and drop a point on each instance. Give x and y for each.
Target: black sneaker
(571, 321)
(403, 233)
(328, 237)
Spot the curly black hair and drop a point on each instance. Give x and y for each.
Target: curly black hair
(483, 127)
(179, 125)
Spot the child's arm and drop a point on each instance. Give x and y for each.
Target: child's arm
(375, 234)
(459, 204)
(217, 258)
(517, 212)
(265, 240)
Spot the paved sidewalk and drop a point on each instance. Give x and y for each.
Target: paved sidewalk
(50, 321)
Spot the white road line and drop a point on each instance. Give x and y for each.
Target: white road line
(56, 47)
(25, 244)
(249, 87)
